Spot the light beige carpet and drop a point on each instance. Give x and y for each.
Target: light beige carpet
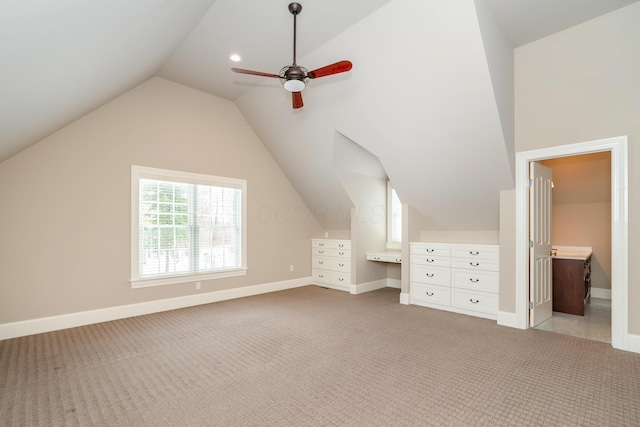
(319, 357)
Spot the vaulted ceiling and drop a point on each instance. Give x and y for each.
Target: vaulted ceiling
(430, 93)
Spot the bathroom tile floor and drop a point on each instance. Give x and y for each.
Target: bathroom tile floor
(595, 325)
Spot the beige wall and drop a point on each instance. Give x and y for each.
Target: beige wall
(581, 211)
(65, 202)
(580, 85)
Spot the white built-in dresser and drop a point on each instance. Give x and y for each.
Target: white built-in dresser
(456, 277)
(331, 263)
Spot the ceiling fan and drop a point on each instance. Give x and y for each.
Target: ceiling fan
(293, 77)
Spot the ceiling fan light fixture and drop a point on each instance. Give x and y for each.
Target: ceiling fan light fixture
(294, 85)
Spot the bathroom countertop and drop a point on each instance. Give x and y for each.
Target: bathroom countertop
(572, 252)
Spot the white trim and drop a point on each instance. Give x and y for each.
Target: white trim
(394, 283)
(600, 293)
(367, 287)
(633, 343)
(505, 318)
(71, 320)
(143, 172)
(405, 298)
(619, 229)
(173, 280)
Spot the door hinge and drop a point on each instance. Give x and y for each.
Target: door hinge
(530, 243)
(530, 305)
(530, 182)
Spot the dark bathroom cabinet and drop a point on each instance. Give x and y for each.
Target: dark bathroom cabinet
(571, 285)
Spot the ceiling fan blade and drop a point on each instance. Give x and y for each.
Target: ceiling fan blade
(254, 73)
(296, 99)
(338, 67)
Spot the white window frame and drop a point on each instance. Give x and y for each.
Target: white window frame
(392, 244)
(142, 172)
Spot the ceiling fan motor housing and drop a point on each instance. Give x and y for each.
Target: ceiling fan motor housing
(294, 78)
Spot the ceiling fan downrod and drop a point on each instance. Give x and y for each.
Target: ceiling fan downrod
(295, 9)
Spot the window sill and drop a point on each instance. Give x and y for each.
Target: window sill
(394, 245)
(174, 280)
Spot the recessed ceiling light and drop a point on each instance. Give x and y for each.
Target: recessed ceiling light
(235, 57)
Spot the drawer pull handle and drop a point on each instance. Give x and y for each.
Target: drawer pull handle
(321, 275)
(474, 302)
(341, 245)
(474, 253)
(430, 260)
(429, 250)
(320, 252)
(320, 262)
(429, 274)
(340, 253)
(341, 265)
(398, 260)
(320, 244)
(377, 258)
(474, 280)
(474, 264)
(429, 294)
(341, 279)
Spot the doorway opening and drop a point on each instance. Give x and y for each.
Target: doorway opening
(580, 225)
(619, 229)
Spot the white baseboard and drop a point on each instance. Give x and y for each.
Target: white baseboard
(64, 321)
(505, 318)
(394, 283)
(368, 287)
(601, 293)
(405, 298)
(633, 343)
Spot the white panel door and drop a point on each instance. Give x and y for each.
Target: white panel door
(540, 268)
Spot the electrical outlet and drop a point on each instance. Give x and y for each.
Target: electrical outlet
(291, 267)
(197, 285)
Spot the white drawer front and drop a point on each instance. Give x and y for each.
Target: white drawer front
(321, 276)
(341, 265)
(431, 294)
(475, 251)
(475, 264)
(430, 249)
(340, 279)
(321, 262)
(331, 244)
(483, 302)
(475, 280)
(431, 275)
(432, 260)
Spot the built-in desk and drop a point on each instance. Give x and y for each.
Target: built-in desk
(393, 257)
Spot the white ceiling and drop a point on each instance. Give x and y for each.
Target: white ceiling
(62, 59)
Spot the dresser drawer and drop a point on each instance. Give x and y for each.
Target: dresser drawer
(321, 262)
(475, 263)
(475, 251)
(475, 280)
(432, 260)
(432, 294)
(431, 275)
(341, 279)
(483, 302)
(341, 265)
(321, 276)
(430, 249)
(338, 253)
(331, 244)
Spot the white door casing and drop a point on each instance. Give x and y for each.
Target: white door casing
(619, 231)
(540, 268)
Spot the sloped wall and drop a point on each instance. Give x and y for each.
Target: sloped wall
(65, 202)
